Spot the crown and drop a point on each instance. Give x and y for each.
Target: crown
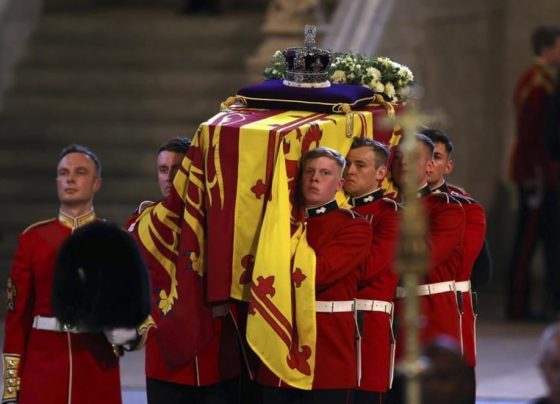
(308, 66)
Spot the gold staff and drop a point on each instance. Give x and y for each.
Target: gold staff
(412, 252)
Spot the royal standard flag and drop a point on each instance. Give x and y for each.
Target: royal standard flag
(281, 326)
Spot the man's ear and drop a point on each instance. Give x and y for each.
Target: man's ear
(96, 184)
(380, 173)
(340, 184)
(449, 166)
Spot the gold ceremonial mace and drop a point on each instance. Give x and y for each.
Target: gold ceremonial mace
(412, 258)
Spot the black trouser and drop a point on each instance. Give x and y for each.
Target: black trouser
(535, 223)
(276, 395)
(161, 392)
(368, 397)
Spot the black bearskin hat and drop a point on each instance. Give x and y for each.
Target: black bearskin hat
(101, 280)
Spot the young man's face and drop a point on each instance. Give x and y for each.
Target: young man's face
(168, 164)
(441, 166)
(360, 174)
(76, 180)
(321, 179)
(399, 168)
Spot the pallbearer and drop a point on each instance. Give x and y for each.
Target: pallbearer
(366, 167)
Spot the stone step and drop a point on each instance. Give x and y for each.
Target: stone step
(94, 108)
(144, 56)
(37, 134)
(136, 27)
(64, 81)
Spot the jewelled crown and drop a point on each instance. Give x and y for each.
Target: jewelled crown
(307, 66)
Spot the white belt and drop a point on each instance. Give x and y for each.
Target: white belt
(220, 311)
(429, 289)
(53, 324)
(463, 286)
(334, 306)
(374, 305)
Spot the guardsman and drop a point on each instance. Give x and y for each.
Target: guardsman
(341, 242)
(44, 361)
(366, 166)
(473, 241)
(446, 226)
(211, 377)
(535, 174)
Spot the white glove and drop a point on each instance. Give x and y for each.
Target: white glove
(120, 336)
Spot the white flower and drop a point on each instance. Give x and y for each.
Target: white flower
(350, 77)
(277, 54)
(379, 87)
(373, 73)
(390, 90)
(405, 73)
(384, 61)
(338, 77)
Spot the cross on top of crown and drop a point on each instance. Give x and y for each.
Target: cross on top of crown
(310, 32)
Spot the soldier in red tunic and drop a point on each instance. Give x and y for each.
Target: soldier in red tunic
(446, 226)
(473, 241)
(45, 361)
(211, 376)
(535, 173)
(366, 166)
(341, 242)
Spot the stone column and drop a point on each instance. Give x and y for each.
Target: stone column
(17, 21)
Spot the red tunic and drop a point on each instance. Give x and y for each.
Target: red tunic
(439, 312)
(56, 367)
(378, 283)
(532, 98)
(475, 231)
(219, 360)
(341, 244)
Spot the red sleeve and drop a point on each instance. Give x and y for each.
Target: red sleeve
(19, 316)
(446, 230)
(531, 119)
(475, 231)
(385, 232)
(343, 253)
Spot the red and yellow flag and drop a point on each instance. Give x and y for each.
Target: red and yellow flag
(281, 326)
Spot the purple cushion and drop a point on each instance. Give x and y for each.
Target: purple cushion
(272, 94)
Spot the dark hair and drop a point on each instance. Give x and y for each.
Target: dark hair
(324, 152)
(78, 148)
(426, 141)
(438, 136)
(176, 145)
(380, 151)
(544, 37)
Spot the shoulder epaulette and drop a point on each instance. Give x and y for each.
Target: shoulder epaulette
(462, 197)
(392, 202)
(458, 189)
(143, 206)
(37, 224)
(448, 198)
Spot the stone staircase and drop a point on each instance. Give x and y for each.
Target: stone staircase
(121, 81)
